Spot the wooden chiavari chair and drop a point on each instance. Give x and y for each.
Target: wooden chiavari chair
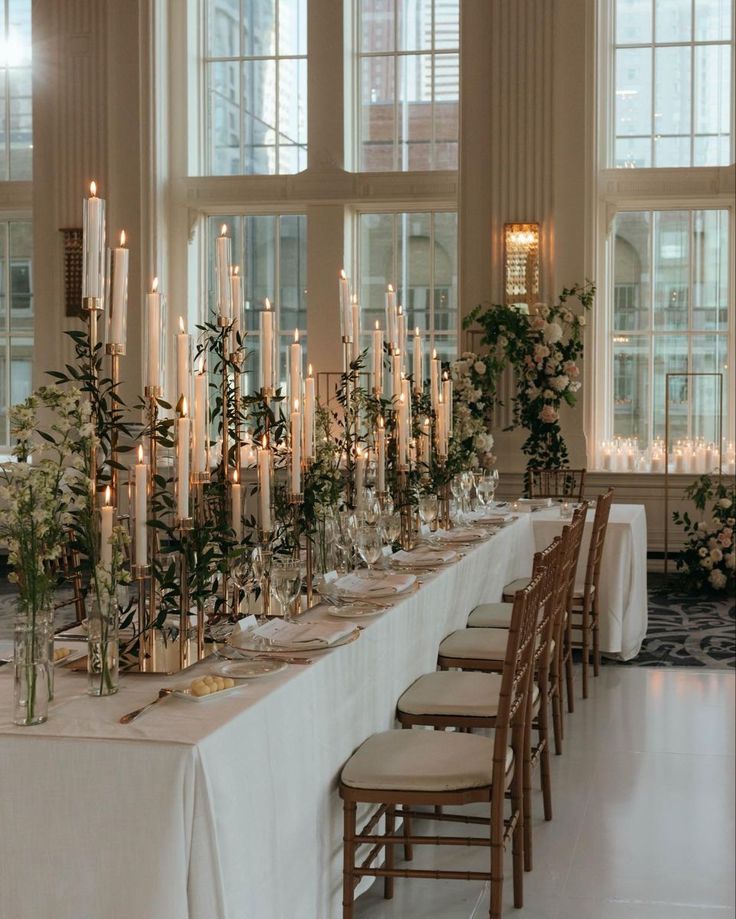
(584, 602)
(447, 769)
(566, 484)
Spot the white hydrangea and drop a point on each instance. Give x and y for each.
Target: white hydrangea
(552, 332)
(559, 383)
(717, 579)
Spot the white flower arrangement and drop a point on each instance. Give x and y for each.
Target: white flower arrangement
(708, 557)
(471, 413)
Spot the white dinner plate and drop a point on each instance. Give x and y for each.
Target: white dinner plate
(356, 611)
(185, 692)
(250, 670)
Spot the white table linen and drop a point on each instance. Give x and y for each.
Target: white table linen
(228, 809)
(623, 577)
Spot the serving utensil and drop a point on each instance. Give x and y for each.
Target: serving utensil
(131, 716)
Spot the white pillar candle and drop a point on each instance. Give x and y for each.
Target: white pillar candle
(630, 461)
(264, 487)
(355, 309)
(711, 458)
(201, 420)
(116, 319)
(223, 259)
(418, 362)
(396, 374)
(296, 449)
(295, 369)
(378, 359)
(606, 458)
(401, 333)
(657, 464)
(141, 510)
(434, 379)
(236, 296)
(183, 361)
(381, 456)
(153, 321)
(425, 442)
(183, 427)
(309, 401)
(447, 399)
(107, 519)
(391, 335)
(266, 341)
(360, 462)
(441, 428)
(406, 393)
(236, 506)
(403, 444)
(93, 242)
(346, 312)
(679, 461)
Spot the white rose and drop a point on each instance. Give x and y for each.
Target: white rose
(574, 387)
(559, 383)
(548, 394)
(552, 332)
(581, 320)
(725, 502)
(731, 560)
(717, 579)
(702, 552)
(716, 555)
(707, 563)
(479, 367)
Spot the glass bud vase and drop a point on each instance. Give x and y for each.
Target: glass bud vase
(103, 647)
(31, 667)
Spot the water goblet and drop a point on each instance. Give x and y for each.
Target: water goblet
(286, 584)
(390, 526)
(370, 545)
(428, 509)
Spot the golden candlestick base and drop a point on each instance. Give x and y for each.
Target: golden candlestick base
(93, 304)
(115, 348)
(152, 392)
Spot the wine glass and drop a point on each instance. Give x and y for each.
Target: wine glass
(370, 545)
(428, 509)
(387, 503)
(457, 487)
(371, 508)
(390, 526)
(286, 584)
(241, 572)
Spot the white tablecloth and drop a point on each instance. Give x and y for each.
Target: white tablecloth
(221, 810)
(623, 578)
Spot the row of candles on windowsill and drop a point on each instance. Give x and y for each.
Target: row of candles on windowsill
(686, 457)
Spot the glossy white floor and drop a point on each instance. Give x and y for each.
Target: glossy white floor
(644, 813)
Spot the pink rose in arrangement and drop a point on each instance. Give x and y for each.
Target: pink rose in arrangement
(540, 353)
(548, 415)
(724, 539)
(538, 323)
(572, 370)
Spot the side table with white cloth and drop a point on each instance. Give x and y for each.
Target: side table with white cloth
(226, 809)
(623, 580)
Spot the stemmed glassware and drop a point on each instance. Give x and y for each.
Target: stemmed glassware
(370, 545)
(286, 584)
(428, 508)
(457, 487)
(241, 572)
(390, 526)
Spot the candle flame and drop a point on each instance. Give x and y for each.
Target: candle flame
(296, 336)
(402, 398)
(380, 421)
(223, 230)
(445, 376)
(201, 364)
(401, 310)
(154, 286)
(377, 326)
(267, 304)
(235, 476)
(93, 189)
(343, 275)
(181, 324)
(123, 237)
(390, 288)
(107, 495)
(354, 299)
(140, 453)
(296, 405)
(434, 354)
(236, 269)
(184, 406)
(309, 370)
(265, 442)
(416, 331)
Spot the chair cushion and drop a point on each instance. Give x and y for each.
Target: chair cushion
(511, 589)
(491, 616)
(452, 692)
(481, 644)
(419, 760)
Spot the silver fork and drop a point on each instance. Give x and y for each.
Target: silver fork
(131, 716)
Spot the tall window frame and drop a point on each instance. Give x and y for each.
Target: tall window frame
(328, 191)
(621, 189)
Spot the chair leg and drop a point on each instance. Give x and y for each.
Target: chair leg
(544, 768)
(348, 855)
(388, 883)
(557, 719)
(586, 652)
(496, 856)
(518, 839)
(408, 847)
(568, 666)
(596, 638)
(526, 809)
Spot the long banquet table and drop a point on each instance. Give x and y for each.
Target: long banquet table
(623, 577)
(226, 809)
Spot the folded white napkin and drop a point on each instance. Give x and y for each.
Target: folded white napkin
(460, 534)
(297, 633)
(352, 585)
(535, 502)
(425, 555)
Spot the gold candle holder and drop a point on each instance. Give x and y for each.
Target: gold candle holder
(141, 573)
(114, 352)
(184, 526)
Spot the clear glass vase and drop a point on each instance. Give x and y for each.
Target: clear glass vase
(103, 647)
(32, 668)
